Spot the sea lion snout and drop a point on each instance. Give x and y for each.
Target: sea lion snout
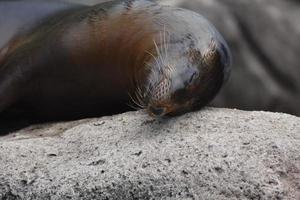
(156, 111)
(190, 85)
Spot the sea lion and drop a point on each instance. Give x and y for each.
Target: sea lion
(92, 61)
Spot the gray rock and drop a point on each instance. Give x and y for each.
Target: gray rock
(210, 154)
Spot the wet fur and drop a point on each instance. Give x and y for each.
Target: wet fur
(90, 62)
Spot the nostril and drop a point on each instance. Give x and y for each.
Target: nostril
(158, 111)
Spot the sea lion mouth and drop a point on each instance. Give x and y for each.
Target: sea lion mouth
(156, 111)
(161, 109)
(157, 98)
(169, 108)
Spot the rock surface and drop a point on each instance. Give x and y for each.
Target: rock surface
(210, 154)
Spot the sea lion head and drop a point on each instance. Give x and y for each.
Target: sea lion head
(184, 78)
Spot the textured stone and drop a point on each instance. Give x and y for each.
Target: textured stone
(210, 154)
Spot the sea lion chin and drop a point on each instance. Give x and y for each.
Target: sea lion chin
(95, 61)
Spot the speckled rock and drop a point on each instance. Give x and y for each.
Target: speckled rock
(210, 154)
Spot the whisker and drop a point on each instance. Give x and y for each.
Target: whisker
(162, 42)
(141, 102)
(158, 52)
(136, 102)
(141, 96)
(155, 58)
(132, 106)
(163, 49)
(165, 43)
(138, 98)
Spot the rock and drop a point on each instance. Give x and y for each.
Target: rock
(210, 154)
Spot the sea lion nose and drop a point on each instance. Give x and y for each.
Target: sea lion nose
(157, 111)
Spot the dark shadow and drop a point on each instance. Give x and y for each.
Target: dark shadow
(11, 121)
(16, 119)
(9, 126)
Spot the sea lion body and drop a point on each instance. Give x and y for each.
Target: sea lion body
(94, 60)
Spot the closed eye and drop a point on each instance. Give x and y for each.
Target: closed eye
(193, 77)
